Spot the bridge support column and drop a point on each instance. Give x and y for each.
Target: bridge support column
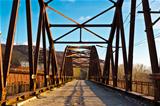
(116, 59)
(152, 46)
(131, 43)
(2, 90)
(106, 71)
(8, 50)
(50, 61)
(41, 16)
(54, 64)
(30, 51)
(46, 71)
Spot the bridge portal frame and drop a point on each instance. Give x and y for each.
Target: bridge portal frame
(117, 31)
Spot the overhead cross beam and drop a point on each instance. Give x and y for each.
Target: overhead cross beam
(81, 26)
(78, 25)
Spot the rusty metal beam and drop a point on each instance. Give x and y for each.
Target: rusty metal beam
(9, 47)
(79, 23)
(38, 41)
(80, 26)
(80, 63)
(151, 45)
(99, 14)
(120, 18)
(113, 66)
(79, 47)
(131, 43)
(62, 73)
(80, 34)
(55, 64)
(77, 57)
(30, 52)
(99, 73)
(10, 40)
(46, 71)
(66, 34)
(152, 12)
(91, 66)
(107, 59)
(1, 73)
(116, 58)
(51, 58)
(112, 1)
(158, 19)
(49, 1)
(77, 42)
(53, 53)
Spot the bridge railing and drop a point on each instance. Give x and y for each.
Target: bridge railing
(18, 81)
(142, 87)
(145, 88)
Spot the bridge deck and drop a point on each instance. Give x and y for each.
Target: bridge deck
(81, 93)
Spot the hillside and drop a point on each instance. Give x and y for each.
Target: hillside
(20, 54)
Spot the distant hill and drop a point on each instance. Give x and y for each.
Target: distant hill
(20, 54)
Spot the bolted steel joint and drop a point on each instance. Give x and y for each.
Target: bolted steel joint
(33, 76)
(47, 76)
(4, 92)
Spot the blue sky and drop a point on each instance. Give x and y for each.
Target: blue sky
(80, 11)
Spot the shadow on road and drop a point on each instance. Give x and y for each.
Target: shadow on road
(76, 97)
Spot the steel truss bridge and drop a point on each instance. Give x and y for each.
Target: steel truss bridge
(54, 76)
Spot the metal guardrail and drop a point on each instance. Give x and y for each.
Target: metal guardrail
(18, 87)
(145, 88)
(142, 87)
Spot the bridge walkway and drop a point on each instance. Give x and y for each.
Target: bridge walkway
(81, 93)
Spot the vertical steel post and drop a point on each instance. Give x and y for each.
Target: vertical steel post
(91, 66)
(151, 45)
(113, 66)
(49, 62)
(131, 43)
(62, 72)
(9, 46)
(107, 65)
(107, 59)
(1, 73)
(80, 34)
(120, 18)
(53, 53)
(54, 64)
(10, 40)
(38, 42)
(30, 49)
(97, 64)
(116, 58)
(46, 76)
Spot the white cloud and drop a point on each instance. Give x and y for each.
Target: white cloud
(83, 18)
